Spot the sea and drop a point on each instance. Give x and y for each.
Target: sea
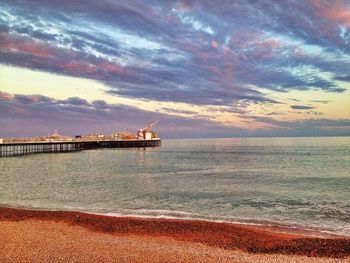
(297, 183)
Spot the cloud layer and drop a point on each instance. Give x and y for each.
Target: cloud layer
(32, 115)
(175, 51)
(206, 53)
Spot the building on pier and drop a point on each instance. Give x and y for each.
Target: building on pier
(146, 133)
(95, 136)
(55, 137)
(123, 136)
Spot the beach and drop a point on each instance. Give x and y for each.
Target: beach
(58, 236)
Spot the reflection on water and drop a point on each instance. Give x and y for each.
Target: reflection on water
(301, 182)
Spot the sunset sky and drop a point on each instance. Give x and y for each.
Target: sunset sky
(202, 68)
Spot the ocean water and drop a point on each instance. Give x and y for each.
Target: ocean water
(301, 183)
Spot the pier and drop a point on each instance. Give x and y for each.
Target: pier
(22, 148)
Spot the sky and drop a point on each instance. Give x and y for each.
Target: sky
(234, 68)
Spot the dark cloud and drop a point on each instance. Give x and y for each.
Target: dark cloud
(345, 78)
(301, 107)
(75, 101)
(337, 90)
(274, 113)
(99, 104)
(30, 99)
(321, 101)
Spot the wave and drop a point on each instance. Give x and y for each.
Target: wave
(277, 226)
(286, 226)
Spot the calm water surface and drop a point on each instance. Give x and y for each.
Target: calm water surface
(296, 182)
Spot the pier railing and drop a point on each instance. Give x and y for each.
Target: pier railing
(22, 148)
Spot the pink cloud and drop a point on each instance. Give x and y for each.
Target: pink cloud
(110, 67)
(270, 43)
(214, 44)
(185, 6)
(10, 43)
(338, 11)
(5, 96)
(96, 70)
(244, 39)
(77, 67)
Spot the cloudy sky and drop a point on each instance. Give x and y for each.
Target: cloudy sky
(203, 68)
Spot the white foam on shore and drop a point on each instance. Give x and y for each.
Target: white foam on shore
(278, 227)
(273, 226)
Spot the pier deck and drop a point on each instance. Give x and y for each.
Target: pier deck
(22, 148)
